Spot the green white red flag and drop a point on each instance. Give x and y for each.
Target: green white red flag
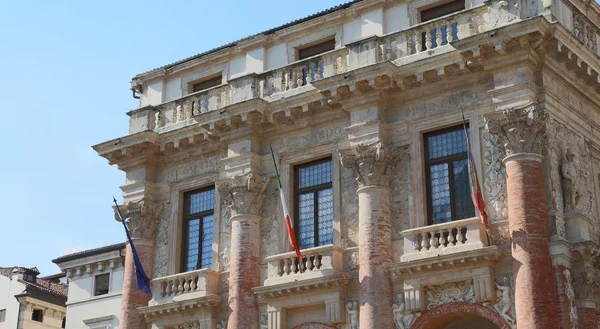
(286, 213)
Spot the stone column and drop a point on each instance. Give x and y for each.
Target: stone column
(523, 132)
(244, 195)
(372, 166)
(142, 220)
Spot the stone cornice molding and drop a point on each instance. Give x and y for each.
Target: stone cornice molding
(372, 164)
(141, 217)
(522, 130)
(244, 193)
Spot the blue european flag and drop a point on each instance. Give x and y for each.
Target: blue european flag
(143, 282)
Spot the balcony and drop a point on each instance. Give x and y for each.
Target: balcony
(184, 286)
(409, 45)
(318, 262)
(443, 239)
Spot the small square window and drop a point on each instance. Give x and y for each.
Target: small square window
(37, 315)
(315, 49)
(2, 315)
(101, 284)
(207, 83)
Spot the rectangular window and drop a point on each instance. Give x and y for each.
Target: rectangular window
(37, 315)
(2, 315)
(198, 222)
(101, 284)
(313, 50)
(447, 175)
(314, 203)
(207, 83)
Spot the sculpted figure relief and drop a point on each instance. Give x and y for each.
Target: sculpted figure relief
(352, 309)
(504, 303)
(569, 174)
(402, 318)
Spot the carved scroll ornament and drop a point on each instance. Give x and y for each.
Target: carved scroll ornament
(141, 217)
(244, 194)
(522, 130)
(372, 165)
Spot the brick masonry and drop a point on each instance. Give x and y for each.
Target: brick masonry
(587, 318)
(132, 297)
(535, 291)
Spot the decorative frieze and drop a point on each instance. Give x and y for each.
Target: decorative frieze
(372, 165)
(449, 292)
(495, 177)
(244, 194)
(142, 218)
(522, 130)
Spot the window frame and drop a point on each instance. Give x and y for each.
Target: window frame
(96, 284)
(448, 159)
(186, 217)
(41, 315)
(315, 190)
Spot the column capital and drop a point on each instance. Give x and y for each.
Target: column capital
(371, 164)
(141, 217)
(244, 193)
(522, 129)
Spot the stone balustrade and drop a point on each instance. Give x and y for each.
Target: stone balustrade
(443, 239)
(433, 34)
(417, 39)
(183, 286)
(317, 262)
(303, 72)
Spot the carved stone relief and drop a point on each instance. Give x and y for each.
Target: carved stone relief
(352, 311)
(372, 165)
(244, 194)
(522, 130)
(505, 297)
(494, 177)
(225, 238)
(270, 224)
(161, 251)
(578, 190)
(401, 192)
(190, 325)
(141, 217)
(570, 293)
(222, 324)
(403, 319)
(499, 235)
(449, 292)
(264, 321)
(349, 210)
(353, 263)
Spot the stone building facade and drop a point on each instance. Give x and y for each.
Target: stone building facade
(363, 106)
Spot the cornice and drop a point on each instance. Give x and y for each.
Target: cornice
(205, 302)
(338, 281)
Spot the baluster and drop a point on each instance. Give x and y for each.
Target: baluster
(438, 36)
(193, 284)
(318, 262)
(195, 107)
(163, 288)
(299, 77)
(425, 241)
(179, 113)
(188, 110)
(434, 240)
(321, 67)
(418, 42)
(460, 237)
(309, 71)
(180, 283)
(387, 50)
(443, 241)
(449, 37)
(261, 88)
(186, 285)
(428, 42)
(280, 268)
(286, 81)
(157, 120)
(337, 67)
(451, 239)
(286, 266)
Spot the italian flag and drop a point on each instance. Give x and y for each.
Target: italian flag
(286, 213)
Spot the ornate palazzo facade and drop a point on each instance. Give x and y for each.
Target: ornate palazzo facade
(368, 136)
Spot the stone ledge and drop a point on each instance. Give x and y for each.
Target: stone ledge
(302, 286)
(209, 301)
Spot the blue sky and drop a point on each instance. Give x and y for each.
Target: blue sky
(64, 86)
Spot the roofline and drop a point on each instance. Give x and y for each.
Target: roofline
(90, 252)
(264, 33)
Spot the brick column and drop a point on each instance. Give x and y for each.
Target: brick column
(244, 195)
(142, 220)
(585, 284)
(372, 166)
(523, 133)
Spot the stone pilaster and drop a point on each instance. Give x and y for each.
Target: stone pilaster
(523, 132)
(373, 166)
(244, 195)
(142, 219)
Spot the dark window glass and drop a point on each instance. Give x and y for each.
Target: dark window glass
(207, 83)
(37, 315)
(313, 50)
(2, 315)
(314, 204)
(198, 229)
(101, 284)
(447, 174)
(64, 323)
(442, 10)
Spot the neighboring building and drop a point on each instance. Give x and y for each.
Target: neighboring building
(30, 302)
(95, 286)
(362, 104)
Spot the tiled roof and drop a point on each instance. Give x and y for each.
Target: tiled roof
(8, 271)
(89, 252)
(41, 283)
(267, 32)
